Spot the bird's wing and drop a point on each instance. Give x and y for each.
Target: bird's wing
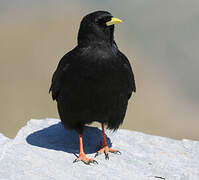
(131, 79)
(62, 68)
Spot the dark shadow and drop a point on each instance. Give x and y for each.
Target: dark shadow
(58, 138)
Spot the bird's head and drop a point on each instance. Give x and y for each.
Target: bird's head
(97, 27)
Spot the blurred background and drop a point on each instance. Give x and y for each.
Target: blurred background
(160, 38)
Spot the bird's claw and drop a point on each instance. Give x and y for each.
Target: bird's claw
(90, 162)
(85, 160)
(116, 152)
(97, 154)
(106, 156)
(76, 160)
(94, 162)
(106, 149)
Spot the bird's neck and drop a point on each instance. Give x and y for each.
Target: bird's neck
(87, 43)
(87, 38)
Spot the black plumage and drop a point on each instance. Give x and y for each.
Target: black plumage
(94, 81)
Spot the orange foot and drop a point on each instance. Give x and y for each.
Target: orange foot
(106, 149)
(84, 159)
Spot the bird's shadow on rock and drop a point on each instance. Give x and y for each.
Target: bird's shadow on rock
(58, 138)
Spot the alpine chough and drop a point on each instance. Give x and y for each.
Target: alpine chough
(94, 81)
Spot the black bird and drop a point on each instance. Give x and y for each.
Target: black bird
(94, 81)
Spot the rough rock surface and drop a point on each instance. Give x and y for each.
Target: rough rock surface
(44, 150)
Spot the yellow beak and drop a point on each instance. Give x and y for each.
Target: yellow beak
(113, 21)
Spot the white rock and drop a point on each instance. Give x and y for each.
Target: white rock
(44, 150)
(3, 144)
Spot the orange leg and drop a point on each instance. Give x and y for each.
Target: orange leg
(82, 156)
(105, 147)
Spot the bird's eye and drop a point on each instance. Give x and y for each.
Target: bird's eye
(103, 20)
